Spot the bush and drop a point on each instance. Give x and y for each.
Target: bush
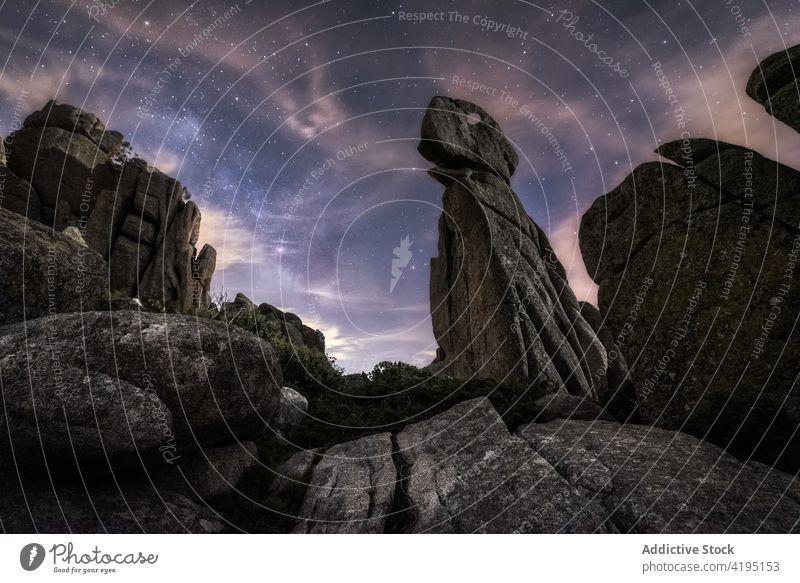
(396, 395)
(304, 369)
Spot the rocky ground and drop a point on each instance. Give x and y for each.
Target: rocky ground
(133, 403)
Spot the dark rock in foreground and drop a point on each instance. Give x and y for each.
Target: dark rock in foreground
(464, 473)
(208, 474)
(106, 511)
(105, 385)
(650, 480)
(45, 272)
(351, 488)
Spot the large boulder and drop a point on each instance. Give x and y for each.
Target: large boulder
(501, 306)
(73, 119)
(351, 488)
(45, 272)
(774, 84)
(127, 387)
(651, 480)
(290, 413)
(697, 287)
(292, 477)
(460, 134)
(17, 195)
(67, 171)
(464, 473)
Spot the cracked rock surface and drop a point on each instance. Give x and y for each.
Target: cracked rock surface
(501, 306)
(651, 480)
(351, 488)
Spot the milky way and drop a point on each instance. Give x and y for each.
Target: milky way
(295, 125)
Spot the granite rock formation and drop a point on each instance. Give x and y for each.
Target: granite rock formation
(99, 385)
(290, 413)
(15, 193)
(64, 168)
(500, 303)
(45, 272)
(122, 420)
(351, 488)
(289, 325)
(156, 409)
(774, 84)
(462, 471)
(651, 480)
(696, 261)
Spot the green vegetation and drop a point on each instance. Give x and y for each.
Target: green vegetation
(394, 395)
(304, 369)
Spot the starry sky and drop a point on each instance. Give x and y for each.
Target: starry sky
(294, 124)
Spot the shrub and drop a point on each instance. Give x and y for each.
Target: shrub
(304, 369)
(396, 395)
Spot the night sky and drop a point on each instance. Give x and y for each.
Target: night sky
(294, 125)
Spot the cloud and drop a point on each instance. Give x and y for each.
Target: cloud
(564, 240)
(232, 239)
(357, 352)
(323, 114)
(161, 158)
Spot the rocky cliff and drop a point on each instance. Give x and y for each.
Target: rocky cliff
(122, 420)
(64, 168)
(102, 407)
(500, 303)
(696, 261)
